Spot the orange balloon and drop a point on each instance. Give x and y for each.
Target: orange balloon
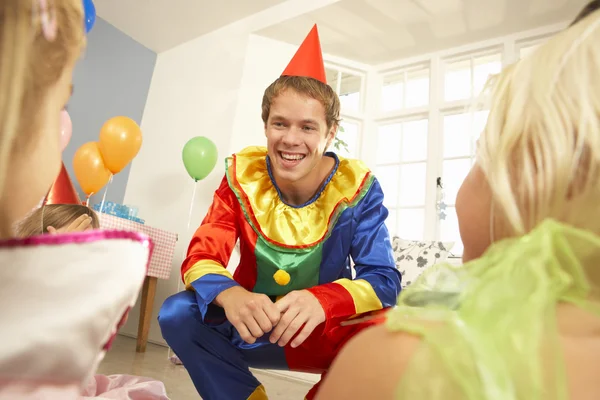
(90, 171)
(120, 141)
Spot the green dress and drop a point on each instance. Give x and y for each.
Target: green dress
(489, 327)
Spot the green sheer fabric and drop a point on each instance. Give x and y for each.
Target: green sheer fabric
(489, 327)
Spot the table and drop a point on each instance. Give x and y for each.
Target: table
(159, 268)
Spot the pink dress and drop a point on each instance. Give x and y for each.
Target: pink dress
(62, 300)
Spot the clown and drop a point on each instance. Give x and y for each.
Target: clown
(301, 214)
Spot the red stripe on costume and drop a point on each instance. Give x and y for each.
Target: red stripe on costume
(319, 350)
(335, 299)
(216, 236)
(313, 356)
(246, 272)
(250, 212)
(208, 243)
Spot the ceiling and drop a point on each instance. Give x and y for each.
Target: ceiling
(163, 24)
(379, 31)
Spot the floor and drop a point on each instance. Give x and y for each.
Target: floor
(154, 363)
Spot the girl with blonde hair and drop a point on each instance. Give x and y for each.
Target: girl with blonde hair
(62, 296)
(521, 318)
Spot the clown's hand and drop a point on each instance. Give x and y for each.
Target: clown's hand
(299, 309)
(252, 314)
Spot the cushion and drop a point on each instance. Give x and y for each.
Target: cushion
(413, 256)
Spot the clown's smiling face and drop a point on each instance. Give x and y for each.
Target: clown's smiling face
(297, 137)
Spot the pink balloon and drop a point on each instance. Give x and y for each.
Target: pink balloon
(66, 129)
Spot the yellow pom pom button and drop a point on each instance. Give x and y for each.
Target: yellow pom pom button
(282, 278)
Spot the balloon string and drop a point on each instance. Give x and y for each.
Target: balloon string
(105, 191)
(184, 251)
(87, 201)
(191, 207)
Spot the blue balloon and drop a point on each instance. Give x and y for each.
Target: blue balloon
(90, 14)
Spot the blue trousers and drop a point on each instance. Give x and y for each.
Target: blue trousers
(212, 351)
(218, 360)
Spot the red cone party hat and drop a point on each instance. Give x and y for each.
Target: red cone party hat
(308, 60)
(63, 191)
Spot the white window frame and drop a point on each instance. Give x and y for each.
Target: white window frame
(408, 117)
(509, 48)
(352, 116)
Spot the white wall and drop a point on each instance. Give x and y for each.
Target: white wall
(195, 91)
(265, 61)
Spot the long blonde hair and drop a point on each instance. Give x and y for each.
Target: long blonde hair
(540, 150)
(29, 65)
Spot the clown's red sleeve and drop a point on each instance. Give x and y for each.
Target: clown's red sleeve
(204, 268)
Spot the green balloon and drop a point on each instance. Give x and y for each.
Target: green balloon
(199, 157)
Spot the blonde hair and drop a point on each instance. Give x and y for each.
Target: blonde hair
(309, 87)
(540, 150)
(55, 215)
(29, 65)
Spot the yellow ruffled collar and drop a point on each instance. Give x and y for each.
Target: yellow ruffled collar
(285, 225)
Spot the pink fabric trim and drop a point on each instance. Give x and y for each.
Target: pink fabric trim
(78, 237)
(81, 237)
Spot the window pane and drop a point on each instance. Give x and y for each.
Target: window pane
(350, 137)
(457, 81)
(455, 172)
(389, 178)
(414, 143)
(449, 231)
(457, 135)
(350, 102)
(483, 68)
(388, 144)
(350, 92)
(417, 88)
(391, 221)
(332, 77)
(392, 94)
(461, 132)
(413, 184)
(411, 223)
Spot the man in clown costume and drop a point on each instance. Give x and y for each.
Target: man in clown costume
(300, 214)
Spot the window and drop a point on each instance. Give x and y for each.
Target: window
(430, 117)
(408, 89)
(405, 160)
(349, 93)
(401, 171)
(349, 87)
(460, 132)
(465, 79)
(348, 135)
